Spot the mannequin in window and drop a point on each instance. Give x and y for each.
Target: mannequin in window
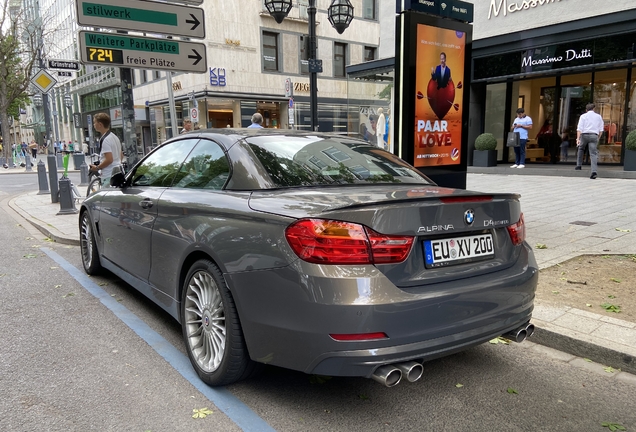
(380, 127)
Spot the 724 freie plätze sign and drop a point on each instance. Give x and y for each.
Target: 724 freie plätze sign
(112, 49)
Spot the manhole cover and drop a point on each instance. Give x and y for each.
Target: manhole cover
(583, 223)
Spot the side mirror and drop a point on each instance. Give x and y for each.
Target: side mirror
(117, 178)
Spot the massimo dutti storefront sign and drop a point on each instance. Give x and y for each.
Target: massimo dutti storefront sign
(505, 7)
(555, 57)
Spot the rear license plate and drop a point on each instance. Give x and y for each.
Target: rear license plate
(458, 250)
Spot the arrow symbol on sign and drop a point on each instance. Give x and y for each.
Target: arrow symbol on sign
(193, 21)
(197, 56)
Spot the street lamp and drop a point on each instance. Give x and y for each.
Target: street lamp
(340, 14)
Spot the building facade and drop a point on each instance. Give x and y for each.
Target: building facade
(250, 57)
(550, 57)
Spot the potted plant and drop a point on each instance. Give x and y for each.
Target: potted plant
(630, 152)
(485, 153)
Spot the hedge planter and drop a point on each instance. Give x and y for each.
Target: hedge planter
(630, 160)
(488, 158)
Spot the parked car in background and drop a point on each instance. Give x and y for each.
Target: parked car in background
(314, 252)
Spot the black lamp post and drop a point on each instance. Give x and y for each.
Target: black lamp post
(340, 14)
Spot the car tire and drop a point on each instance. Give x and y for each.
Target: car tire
(211, 327)
(88, 246)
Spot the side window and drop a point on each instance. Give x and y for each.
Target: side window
(161, 167)
(206, 167)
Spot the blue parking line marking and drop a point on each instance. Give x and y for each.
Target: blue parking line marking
(233, 407)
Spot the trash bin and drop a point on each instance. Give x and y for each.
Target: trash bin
(78, 160)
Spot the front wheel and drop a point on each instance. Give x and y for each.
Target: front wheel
(211, 327)
(88, 246)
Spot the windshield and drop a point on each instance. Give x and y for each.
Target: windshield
(315, 161)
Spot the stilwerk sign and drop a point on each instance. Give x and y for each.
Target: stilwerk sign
(512, 6)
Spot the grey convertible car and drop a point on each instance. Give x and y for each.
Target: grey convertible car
(313, 252)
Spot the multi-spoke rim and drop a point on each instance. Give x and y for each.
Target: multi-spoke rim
(205, 321)
(86, 241)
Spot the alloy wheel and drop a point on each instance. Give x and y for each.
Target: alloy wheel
(87, 241)
(205, 321)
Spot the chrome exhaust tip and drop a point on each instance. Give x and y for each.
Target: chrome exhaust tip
(529, 330)
(411, 370)
(387, 375)
(518, 335)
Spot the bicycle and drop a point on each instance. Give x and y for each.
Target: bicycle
(95, 179)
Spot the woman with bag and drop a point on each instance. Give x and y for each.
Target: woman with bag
(521, 125)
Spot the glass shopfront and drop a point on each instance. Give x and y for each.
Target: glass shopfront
(553, 84)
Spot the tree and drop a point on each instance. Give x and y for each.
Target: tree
(20, 39)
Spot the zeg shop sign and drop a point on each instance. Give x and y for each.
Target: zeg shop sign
(511, 6)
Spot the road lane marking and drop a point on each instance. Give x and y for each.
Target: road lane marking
(225, 401)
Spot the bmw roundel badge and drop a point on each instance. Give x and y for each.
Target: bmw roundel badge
(469, 217)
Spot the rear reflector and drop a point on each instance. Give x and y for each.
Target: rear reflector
(466, 199)
(323, 241)
(359, 337)
(517, 231)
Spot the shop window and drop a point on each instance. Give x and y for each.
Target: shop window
(368, 9)
(270, 51)
(302, 9)
(304, 54)
(495, 114)
(369, 53)
(143, 73)
(610, 89)
(339, 59)
(156, 75)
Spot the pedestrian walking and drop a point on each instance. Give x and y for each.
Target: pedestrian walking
(589, 129)
(522, 125)
(34, 149)
(110, 154)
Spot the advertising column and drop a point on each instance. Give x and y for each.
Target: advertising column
(432, 70)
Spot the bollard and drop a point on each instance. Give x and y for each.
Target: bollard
(84, 174)
(42, 181)
(59, 157)
(67, 203)
(51, 161)
(27, 162)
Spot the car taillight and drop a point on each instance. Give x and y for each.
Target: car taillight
(517, 231)
(324, 241)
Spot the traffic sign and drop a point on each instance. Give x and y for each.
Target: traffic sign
(289, 88)
(194, 115)
(43, 81)
(65, 74)
(64, 64)
(142, 16)
(112, 49)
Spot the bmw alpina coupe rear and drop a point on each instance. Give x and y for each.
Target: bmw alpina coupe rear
(314, 252)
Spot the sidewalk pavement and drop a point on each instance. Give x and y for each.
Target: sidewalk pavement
(554, 208)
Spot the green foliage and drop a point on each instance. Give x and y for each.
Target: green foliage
(485, 141)
(386, 92)
(630, 141)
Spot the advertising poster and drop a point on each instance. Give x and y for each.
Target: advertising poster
(439, 95)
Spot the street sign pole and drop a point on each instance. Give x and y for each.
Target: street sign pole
(173, 111)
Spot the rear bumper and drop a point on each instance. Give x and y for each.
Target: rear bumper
(287, 314)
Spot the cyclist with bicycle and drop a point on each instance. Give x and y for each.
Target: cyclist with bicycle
(110, 150)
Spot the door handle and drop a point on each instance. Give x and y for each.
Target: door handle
(146, 203)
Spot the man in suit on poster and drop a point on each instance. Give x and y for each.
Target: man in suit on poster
(441, 73)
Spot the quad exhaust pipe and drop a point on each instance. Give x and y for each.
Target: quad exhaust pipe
(520, 334)
(391, 375)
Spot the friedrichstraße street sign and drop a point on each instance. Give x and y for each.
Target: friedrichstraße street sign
(64, 64)
(112, 49)
(142, 16)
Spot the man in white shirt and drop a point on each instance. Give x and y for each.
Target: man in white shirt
(110, 153)
(588, 131)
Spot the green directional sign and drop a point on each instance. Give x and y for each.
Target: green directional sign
(143, 16)
(142, 53)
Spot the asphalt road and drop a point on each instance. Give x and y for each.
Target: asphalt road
(68, 363)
